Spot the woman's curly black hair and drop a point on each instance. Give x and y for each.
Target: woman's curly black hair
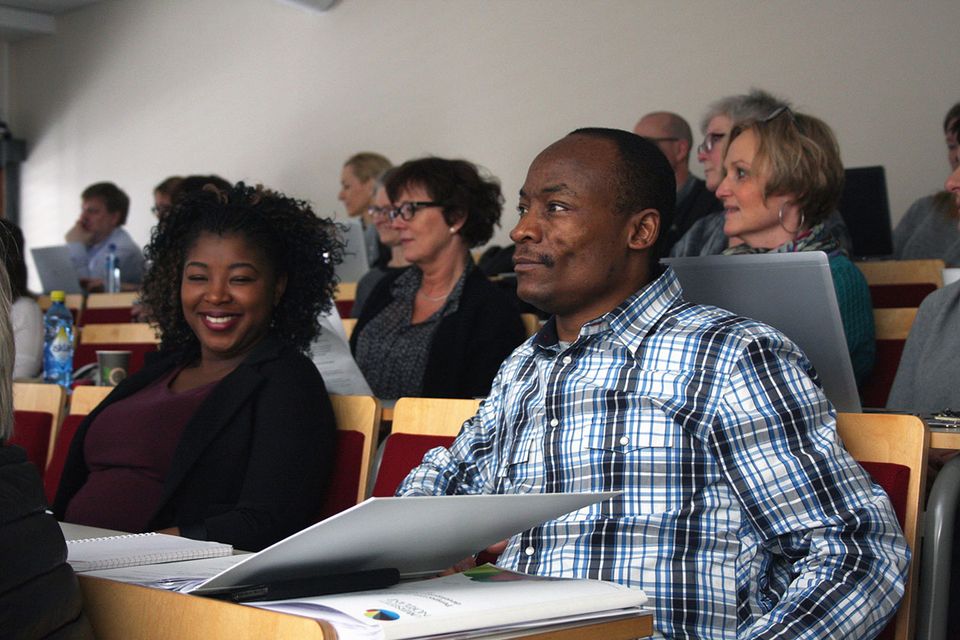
(296, 242)
(459, 186)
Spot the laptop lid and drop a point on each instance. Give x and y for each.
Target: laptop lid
(354, 263)
(418, 536)
(55, 269)
(792, 292)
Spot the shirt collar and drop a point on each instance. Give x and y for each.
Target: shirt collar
(631, 321)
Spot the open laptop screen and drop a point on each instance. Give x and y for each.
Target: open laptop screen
(792, 292)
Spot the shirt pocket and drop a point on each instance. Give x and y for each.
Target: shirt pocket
(635, 453)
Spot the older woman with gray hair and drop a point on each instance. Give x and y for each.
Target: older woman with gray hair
(706, 236)
(39, 594)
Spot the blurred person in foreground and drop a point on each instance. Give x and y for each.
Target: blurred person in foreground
(229, 434)
(39, 594)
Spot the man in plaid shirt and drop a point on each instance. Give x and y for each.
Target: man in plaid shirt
(741, 516)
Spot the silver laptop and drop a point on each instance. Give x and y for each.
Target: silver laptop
(792, 292)
(55, 269)
(354, 263)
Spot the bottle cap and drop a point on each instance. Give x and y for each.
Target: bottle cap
(57, 296)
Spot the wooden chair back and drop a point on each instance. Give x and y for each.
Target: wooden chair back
(902, 271)
(892, 328)
(108, 308)
(48, 398)
(358, 414)
(531, 323)
(72, 301)
(348, 326)
(344, 296)
(432, 416)
(419, 424)
(894, 440)
(137, 337)
(83, 400)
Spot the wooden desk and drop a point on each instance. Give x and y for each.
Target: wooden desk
(120, 611)
(944, 438)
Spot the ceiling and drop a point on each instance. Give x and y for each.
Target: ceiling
(20, 19)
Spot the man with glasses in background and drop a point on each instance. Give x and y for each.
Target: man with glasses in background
(673, 137)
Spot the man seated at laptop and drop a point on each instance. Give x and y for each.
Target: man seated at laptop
(102, 216)
(741, 513)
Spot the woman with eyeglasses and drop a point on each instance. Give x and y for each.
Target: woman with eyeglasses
(782, 179)
(391, 258)
(439, 329)
(706, 236)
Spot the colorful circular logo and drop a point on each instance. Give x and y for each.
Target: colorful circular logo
(381, 614)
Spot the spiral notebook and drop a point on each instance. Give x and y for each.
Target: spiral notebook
(114, 552)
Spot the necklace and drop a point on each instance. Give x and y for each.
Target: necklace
(434, 298)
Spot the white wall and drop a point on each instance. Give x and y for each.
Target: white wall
(259, 90)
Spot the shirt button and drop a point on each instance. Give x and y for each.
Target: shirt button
(529, 551)
(624, 440)
(567, 359)
(554, 422)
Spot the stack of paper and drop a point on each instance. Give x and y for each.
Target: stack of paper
(484, 600)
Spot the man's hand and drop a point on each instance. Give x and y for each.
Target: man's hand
(469, 563)
(92, 285)
(78, 234)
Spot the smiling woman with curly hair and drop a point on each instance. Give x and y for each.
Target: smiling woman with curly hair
(228, 435)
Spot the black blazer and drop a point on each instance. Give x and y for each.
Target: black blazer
(39, 595)
(252, 464)
(469, 345)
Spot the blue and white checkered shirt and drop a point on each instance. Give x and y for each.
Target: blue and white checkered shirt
(741, 516)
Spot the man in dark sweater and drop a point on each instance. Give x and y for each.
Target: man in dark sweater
(672, 135)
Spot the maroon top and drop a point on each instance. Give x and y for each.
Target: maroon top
(128, 451)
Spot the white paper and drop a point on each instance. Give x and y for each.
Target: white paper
(330, 353)
(483, 598)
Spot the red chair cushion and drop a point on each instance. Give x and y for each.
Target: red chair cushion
(401, 453)
(87, 353)
(51, 480)
(345, 477)
(31, 430)
(887, 296)
(895, 480)
(876, 388)
(105, 315)
(344, 307)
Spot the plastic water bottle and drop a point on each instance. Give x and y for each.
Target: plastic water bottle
(111, 282)
(58, 342)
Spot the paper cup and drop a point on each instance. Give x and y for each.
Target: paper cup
(112, 367)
